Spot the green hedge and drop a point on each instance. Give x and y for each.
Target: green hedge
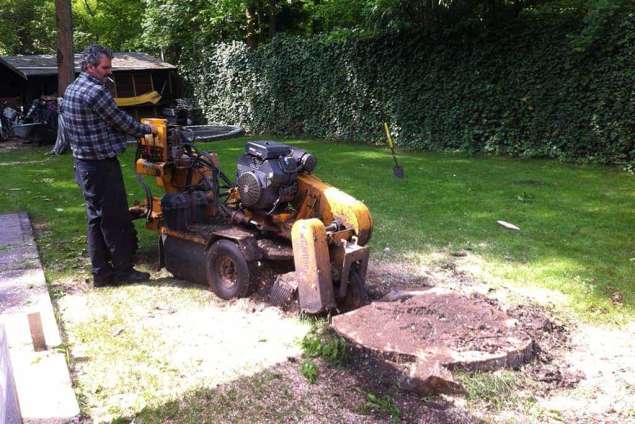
(521, 90)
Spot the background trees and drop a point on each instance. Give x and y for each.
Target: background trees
(115, 23)
(169, 26)
(27, 26)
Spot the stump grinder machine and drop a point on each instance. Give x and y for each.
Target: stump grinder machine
(217, 232)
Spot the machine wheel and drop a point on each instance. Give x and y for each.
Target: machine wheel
(356, 295)
(227, 270)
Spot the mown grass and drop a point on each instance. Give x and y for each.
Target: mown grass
(503, 393)
(576, 222)
(499, 390)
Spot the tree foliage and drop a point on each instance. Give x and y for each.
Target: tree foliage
(115, 23)
(174, 26)
(27, 26)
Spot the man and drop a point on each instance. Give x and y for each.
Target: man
(96, 129)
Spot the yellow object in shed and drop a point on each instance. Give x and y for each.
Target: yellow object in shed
(151, 97)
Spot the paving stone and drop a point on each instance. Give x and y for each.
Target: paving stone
(21, 288)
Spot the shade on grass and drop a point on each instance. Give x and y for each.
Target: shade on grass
(577, 222)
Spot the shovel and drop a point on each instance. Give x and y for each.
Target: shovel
(397, 170)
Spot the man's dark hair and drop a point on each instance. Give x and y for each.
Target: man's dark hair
(92, 55)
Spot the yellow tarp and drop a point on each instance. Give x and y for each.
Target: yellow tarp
(151, 97)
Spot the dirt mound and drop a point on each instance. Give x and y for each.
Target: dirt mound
(548, 337)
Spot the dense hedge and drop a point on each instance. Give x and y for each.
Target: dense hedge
(521, 90)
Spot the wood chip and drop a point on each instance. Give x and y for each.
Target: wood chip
(508, 225)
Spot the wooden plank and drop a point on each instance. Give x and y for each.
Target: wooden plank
(134, 86)
(37, 334)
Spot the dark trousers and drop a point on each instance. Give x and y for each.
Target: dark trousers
(111, 235)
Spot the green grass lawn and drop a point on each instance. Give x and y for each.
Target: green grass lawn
(577, 222)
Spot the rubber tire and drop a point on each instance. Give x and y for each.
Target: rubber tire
(220, 251)
(356, 295)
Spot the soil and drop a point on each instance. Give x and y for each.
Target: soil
(550, 339)
(604, 358)
(12, 144)
(340, 395)
(383, 277)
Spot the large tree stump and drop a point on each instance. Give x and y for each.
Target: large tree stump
(430, 333)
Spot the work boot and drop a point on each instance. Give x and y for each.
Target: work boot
(132, 276)
(103, 280)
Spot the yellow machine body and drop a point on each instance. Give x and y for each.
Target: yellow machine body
(313, 266)
(321, 200)
(159, 162)
(328, 229)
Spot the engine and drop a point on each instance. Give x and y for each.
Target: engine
(267, 173)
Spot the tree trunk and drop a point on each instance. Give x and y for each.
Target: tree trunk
(429, 15)
(65, 58)
(273, 18)
(250, 36)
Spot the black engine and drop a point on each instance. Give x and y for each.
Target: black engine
(267, 173)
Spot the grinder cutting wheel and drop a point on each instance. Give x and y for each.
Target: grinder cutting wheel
(214, 231)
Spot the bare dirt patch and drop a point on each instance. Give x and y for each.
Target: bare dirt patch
(581, 372)
(383, 277)
(552, 339)
(355, 393)
(10, 145)
(604, 359)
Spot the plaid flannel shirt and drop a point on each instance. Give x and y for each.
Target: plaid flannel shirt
(96, 128)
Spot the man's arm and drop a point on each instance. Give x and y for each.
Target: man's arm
(104, 105)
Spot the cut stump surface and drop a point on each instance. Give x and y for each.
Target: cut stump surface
(433, 332)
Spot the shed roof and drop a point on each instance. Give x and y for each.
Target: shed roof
(46, 64)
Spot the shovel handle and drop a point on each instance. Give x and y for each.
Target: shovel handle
(390, 142)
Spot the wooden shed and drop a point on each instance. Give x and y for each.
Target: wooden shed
(24, 78)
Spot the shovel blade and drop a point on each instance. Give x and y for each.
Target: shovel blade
(398, 171)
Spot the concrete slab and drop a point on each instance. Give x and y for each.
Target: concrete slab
(42, 379)
(9, 408)
(44, 387)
